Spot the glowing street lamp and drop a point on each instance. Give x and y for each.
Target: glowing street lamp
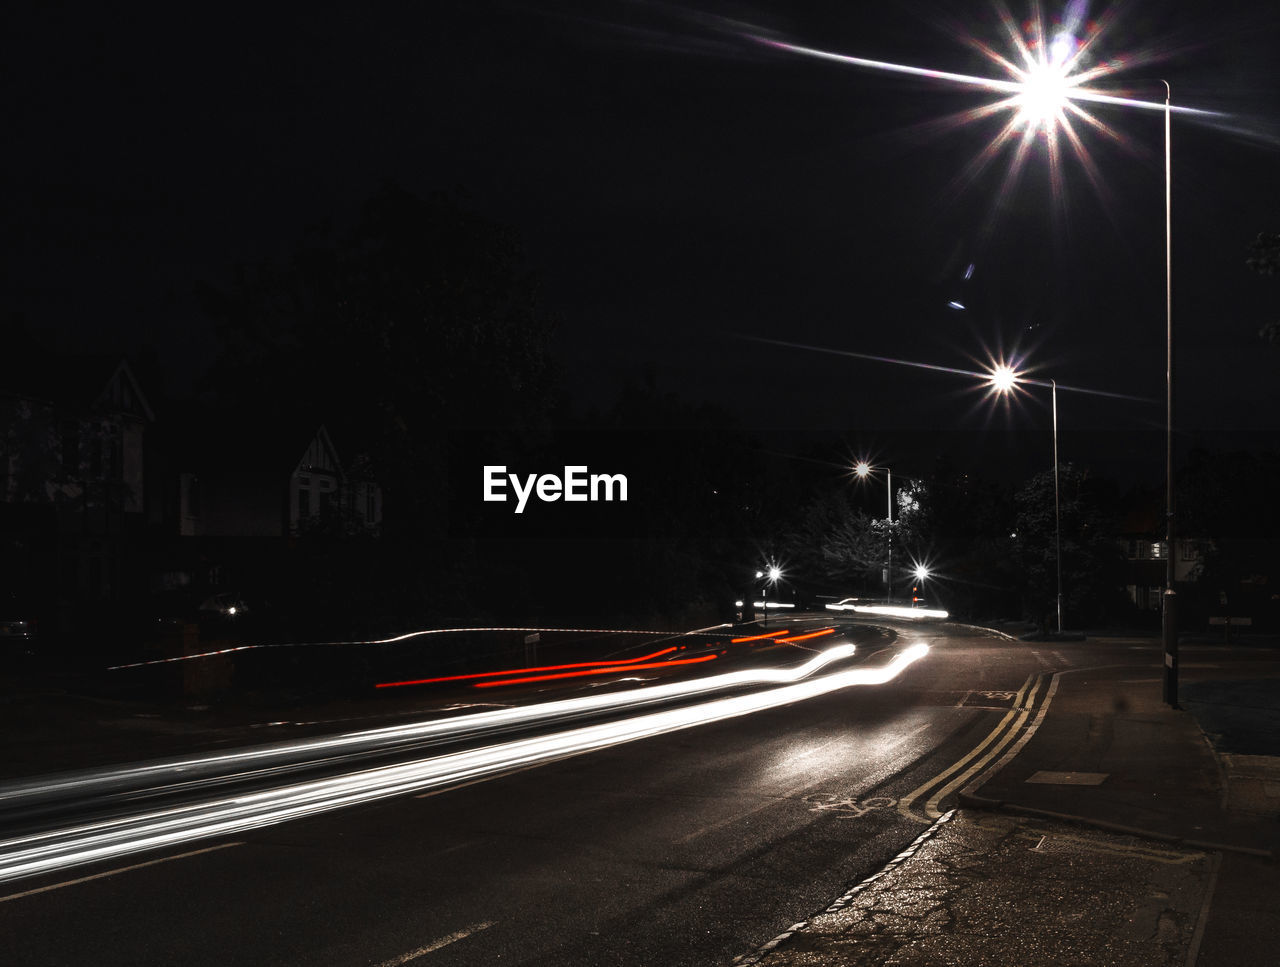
(1003, 379)
(770, 575)
(921, 573)
(1046, 87)
(863, 470)
(1046, 92)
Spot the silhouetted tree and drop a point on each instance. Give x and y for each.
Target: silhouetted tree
(419, 338)
(415, 332)
(970, 522)
(1091, 555)
(835, 544)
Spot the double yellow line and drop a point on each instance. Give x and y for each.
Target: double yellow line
(954, 776)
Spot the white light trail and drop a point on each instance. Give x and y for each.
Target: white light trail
(288, 754)
(92, 842)
(889, 610)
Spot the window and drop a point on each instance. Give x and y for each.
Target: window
(325, 487)
(1157, 550)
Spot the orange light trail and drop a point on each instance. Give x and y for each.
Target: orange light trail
(812, 634)
(772, 634)
(596, 671)
(541, 668)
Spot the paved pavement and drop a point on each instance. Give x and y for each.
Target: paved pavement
(1116, 836)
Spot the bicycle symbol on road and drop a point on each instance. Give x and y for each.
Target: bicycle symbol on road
(847, 808)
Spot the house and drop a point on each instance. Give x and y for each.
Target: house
(74, 432)
(271, 479)
(1142, 539)
(73, 487)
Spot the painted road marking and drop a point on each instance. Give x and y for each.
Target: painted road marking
(1023, 739)
(847, 808)
(931, 810)
(462, 934)
(1005, 731)
(123, 869)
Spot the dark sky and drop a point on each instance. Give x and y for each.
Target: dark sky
(677, 186)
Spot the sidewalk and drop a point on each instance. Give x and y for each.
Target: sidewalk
(1116, 836)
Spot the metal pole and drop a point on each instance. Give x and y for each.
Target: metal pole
(1057, 513)
(888, 570)
(1170, 622)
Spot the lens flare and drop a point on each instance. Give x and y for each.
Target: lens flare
(1045, 94)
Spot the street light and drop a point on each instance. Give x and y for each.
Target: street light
(921, 573)
(1047, 89)
(1042, 99)
(863, 470)
(1003, 378)
(1170, 623)
(770, 575)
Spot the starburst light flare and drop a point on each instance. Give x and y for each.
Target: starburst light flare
(1045, 91)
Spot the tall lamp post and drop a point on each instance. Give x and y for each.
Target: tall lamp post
(1003, 379)
(863, 470)
(1043, 92)
(1170, 610)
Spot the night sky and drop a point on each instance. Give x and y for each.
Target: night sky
(679, 186)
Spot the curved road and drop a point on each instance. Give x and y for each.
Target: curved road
(692, 846)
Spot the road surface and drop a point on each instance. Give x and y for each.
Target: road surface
(694, 845)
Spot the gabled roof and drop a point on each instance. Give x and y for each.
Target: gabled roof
(78, 382)
(320, 455)
(123, 394)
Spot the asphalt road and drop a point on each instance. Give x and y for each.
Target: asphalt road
(692, 846)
